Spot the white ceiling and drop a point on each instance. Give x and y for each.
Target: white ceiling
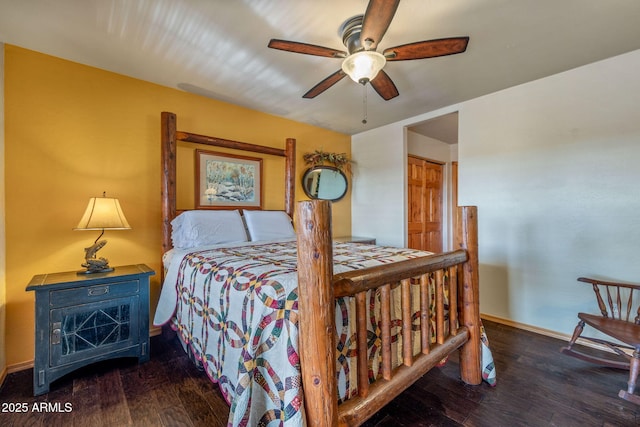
(218, 48)
(443, 128)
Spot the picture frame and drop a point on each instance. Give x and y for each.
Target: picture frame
(226, 180)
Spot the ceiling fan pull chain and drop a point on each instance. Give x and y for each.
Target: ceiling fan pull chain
(364, 104)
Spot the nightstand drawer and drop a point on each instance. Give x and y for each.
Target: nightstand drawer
(82, 295)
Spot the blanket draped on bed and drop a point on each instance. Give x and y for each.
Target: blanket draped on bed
(237, 309)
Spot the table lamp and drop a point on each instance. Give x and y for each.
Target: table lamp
(102, 213)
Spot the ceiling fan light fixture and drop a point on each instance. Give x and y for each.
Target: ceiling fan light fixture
(363, 66)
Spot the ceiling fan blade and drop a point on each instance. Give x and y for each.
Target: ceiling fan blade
(376, 21)
(325, 84)
(384, 86)
(305, 48)
(427, 49)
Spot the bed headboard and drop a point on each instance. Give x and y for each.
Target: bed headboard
(169, 139)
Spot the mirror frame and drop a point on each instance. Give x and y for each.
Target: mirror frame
(331, 168)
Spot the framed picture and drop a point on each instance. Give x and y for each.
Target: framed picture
(225, 180)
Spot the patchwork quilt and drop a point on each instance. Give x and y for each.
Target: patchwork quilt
(236, 308)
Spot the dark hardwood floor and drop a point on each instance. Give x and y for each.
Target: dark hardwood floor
(537, 386)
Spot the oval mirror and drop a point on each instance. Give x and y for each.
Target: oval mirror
(325, 183)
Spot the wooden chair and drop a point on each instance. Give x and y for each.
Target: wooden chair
(620, 320)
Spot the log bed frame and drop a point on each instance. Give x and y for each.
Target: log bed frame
(457, 271)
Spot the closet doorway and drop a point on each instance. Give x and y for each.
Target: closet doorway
(425, 195)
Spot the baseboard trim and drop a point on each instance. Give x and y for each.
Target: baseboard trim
(524, 326)
(3, 375)
(542, 331)
(20, 366)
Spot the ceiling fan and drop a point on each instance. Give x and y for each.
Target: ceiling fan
(361, 36)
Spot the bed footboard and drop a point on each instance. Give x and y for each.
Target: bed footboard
(453, 274)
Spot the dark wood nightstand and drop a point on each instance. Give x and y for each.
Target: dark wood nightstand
(86, 318)
(355, 239)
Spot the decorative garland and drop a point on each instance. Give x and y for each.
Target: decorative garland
(319, 157)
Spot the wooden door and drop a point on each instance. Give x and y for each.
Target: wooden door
(425, 204)
(454, 199)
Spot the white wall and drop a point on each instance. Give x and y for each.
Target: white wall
(430, 148)
(378, 185)
(553, 166)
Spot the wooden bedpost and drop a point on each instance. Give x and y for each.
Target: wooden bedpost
(290, 176)
(317, 335)
(467, 238)
(168, 179)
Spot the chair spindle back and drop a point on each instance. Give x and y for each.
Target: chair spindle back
(616, 300)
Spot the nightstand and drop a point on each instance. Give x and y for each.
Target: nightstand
(86, 318)
(355, 239)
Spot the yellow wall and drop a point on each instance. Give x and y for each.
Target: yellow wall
(3, 282)
(74, 131)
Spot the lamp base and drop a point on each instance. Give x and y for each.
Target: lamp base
(92, 263)
(96, 265)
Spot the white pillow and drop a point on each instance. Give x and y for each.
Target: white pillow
(207, 227)
(268, 225)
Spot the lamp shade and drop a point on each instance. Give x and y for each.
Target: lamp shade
(363, 66)
(103, 213)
